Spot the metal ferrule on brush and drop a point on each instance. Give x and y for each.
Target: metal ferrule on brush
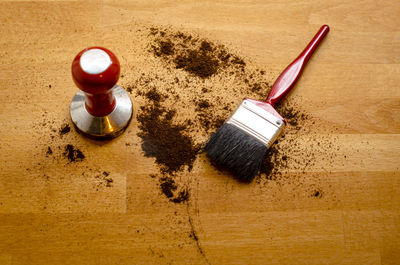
(257, 122)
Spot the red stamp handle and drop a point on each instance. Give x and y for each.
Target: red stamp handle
(95, 71)
(289, 76)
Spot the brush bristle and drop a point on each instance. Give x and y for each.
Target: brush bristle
(236, 151)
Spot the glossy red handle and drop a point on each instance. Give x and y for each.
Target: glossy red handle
(289, 76)
(95, 71)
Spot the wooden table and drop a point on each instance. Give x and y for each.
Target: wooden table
(56, 212)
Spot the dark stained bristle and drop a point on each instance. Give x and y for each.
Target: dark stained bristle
(237, 151)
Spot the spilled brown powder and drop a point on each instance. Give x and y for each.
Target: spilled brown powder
(198, 63)
(293, 116)
(165, 48)
(214, 81)
(317, 194)
(73, 154)
(168, 186)
(183, 196)
(168, 143)
(64, 129)
(161, 138)
(49, 151)
(172, 141)
(165, 141)
(195, 56)
(66, 153)
(104, 179)
(202, 104)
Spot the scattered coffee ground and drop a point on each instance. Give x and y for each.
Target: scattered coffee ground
(169, 141)
(214, 81)
(201, 63)
(49, 151)
(256, 88)
(57, 151)
(129, 88)
(292, 115)
(270, 162)
(104, 179)
(317, 194)
(168, 186)
(73, 155)
(208, 119)
(202, 104)
(237, 60)
(154, 96)
(202, 109)
(183, 196)
(164, 48)
(165, 141)
(198, 57)
(108, 182)
(209, 123)
(65, 129)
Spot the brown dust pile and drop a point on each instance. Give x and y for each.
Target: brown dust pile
(174, 127)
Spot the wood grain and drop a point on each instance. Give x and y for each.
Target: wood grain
(56, 212)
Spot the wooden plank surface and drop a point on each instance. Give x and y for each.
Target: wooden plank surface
(56, 212)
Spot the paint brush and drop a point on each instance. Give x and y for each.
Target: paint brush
(241, 143)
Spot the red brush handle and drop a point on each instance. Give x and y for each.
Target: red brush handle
(288, 78)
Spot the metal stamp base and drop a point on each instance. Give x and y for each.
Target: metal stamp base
(105, 127)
